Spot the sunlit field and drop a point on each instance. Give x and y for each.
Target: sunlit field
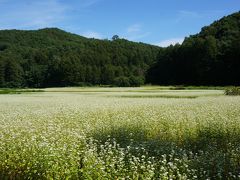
(119, 133)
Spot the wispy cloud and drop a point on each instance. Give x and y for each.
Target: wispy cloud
(92, 34)
(192, 14)
(185, 14)
(134, 28)
(138, 36)
(168, 42)
(88, 3)
(135, 32)
(32, 14)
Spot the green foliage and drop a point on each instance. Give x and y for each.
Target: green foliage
(122, 81)
(13, 74)
(132, 81)
(115, 37)
(233, 91)
(2, 73)
(211, 57)
(19, 91)
(136, 81)
(3, 47)
(52, 57)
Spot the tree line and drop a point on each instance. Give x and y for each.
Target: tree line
(211, 57)
(51, 57)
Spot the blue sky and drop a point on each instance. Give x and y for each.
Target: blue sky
(159, 22)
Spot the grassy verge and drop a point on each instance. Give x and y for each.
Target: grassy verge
(19, 91)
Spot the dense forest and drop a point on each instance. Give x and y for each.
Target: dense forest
(52, 57)
(211, 57)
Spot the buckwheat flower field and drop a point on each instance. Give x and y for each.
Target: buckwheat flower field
(120, 133)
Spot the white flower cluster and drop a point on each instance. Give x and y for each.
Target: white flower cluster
(120, 134)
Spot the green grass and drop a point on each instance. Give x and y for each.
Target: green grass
(232, 91)
(157, 96)
(19, 91)
(114, 133)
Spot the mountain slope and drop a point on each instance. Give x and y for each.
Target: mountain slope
(210, 57)
(52, 57)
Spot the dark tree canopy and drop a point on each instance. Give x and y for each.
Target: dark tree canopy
(209, 58)
(52, 57)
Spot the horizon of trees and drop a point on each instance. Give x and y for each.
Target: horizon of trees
(52, 57)
(211, 57)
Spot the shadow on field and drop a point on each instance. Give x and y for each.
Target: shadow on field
(212, 150)
(136, 138)
(205, 138)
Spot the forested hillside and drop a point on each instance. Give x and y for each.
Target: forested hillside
(211, 57)
(52, 57)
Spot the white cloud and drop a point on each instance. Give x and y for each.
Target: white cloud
(92, 34)
(168, 42)
(190, 14)
(135, 32)
(184, 15)
(33, 14)
(134, 28)
(134, 37)
(88, 3)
